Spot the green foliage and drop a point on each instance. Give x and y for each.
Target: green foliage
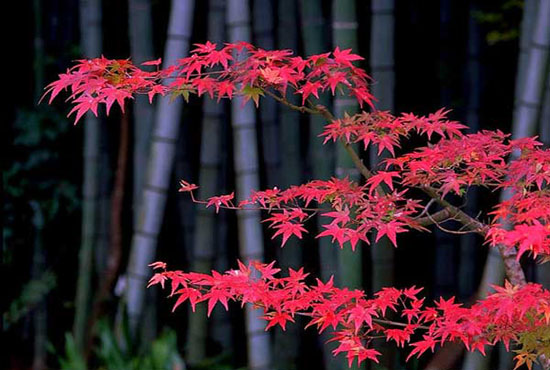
(161, 354)
(32, 293)
(220, 362)
(535, 343)
(73, 359)
(31, 174)
(501, 22)
(185, 90)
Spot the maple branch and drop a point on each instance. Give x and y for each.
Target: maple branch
(426, 208)
(512, 267)
(367, 174)
(258, 208)
(436, 223)
(322, 110)
(397, 323)
(456, 213)
(379, 321)
(284, 101)
(439, 216)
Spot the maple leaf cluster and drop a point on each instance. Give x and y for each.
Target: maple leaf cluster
(386, 131)
(511, 313)
(353, 211)
(238, 68)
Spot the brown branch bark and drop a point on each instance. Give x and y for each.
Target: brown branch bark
(113, 262)
(512, 267)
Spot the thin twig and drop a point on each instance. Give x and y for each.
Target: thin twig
(284, 101)
(448, 230)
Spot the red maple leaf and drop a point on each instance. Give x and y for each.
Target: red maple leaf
(310, 88)
(206, 48)
(218, 201)
(186, 186)
(225, 88)
(345, 57)
(382, 176)
(155, 62)
(277, 318)
(287, 229)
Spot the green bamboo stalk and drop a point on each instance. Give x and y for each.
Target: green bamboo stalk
(543, 270)
(204, 245)
(383, 73)
(40, 314)
(344, 34)
(528, 104)
(159, 168)
(444, 271)
(544, 126)
(91, 41)
(322, 158)
(468, 247)
(287, 344)
(316, 40)
(220, 323)
(140, 32)
(263, 32)
(243, 122)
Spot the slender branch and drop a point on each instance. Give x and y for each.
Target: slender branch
(448, 230)
(512, 267)
(427, 208)
(310, 314)
(284, 101)
(258, 208)
(439, 216)
(321, 109)
(396, 323)
(367, 174)
(115, 250)
(455, 212)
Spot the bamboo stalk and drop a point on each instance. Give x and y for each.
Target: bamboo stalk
(140, 32)
(245, 160)
(159, 168)
(206, 235)
(287, 343)
(383, 73)
(344, 33)
(91, 35)
(40, 315)
(543, 270)
(321, 157)
(264, 37)
(545, 111)
(115, 250)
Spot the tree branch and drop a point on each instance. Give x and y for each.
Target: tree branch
(512, 267)
(282, 100)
